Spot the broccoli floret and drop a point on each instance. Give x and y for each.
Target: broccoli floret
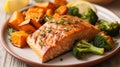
(74, 11)
(90, 16)
(83, 47)
(104, 41)
(111, 28)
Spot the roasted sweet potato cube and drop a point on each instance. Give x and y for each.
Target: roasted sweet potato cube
(35, 14)
(56, 15)
(60, 2)
(28, 28)
(16, 19)
(19, 38)
(36, 23)
(49, 12)
(25, 26)
(46, 5)
(62, 10)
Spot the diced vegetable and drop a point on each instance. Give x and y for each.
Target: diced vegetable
(56, 15)
(49, 12)
(35, 14)
(16, 19)
(62, 10)
(60, 2)
(19, 38)
(25, 26)
(46, 5)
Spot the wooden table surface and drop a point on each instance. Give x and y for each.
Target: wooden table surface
(7, 60)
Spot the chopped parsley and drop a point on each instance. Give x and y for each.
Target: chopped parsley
(55, 21)
(62, 21)
(39, 0)
(9, 39)
(48, 30)
(66, 29)
(42, 34)
(49, 18)
(41, 43)
(10, 31)
(68, 22)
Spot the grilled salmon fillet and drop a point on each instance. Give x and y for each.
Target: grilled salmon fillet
(58, 35)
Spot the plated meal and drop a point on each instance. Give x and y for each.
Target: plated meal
(52, 29)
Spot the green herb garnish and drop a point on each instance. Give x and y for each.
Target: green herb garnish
(41, 43)
(68, 22)
(41, 0)
(62, 21)
(66, 29)
(42, 34)
(10, 31)
(55, 21)
(9, 39)
(49, 30)
(49, 18)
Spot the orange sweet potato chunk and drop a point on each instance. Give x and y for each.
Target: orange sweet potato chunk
(19, 39)
(16, 18)
(62, 10)
(60, 2)
(46, 5)
(56, 15)
(26, 26)
(49, 12)
(35, 14)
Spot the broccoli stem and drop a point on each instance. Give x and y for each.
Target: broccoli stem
(83, 47)
(92, 48)
(96, 50)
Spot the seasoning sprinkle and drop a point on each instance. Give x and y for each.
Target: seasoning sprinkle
(41, 43)
(9, 39)
(66, 29)
(39, 0)
(55, 21)
(42, 34)
(62, 21)
(68, 22)
(10, 31)
(61, 59)
(48, 18)
(49, 30)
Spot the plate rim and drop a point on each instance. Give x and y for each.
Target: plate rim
(87, 63)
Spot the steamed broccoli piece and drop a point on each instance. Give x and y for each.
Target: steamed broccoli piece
(83, 47)
(90, 16)
(104, 41)
(74, 11)
(111, 28)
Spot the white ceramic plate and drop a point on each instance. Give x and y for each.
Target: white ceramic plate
(28, 56)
